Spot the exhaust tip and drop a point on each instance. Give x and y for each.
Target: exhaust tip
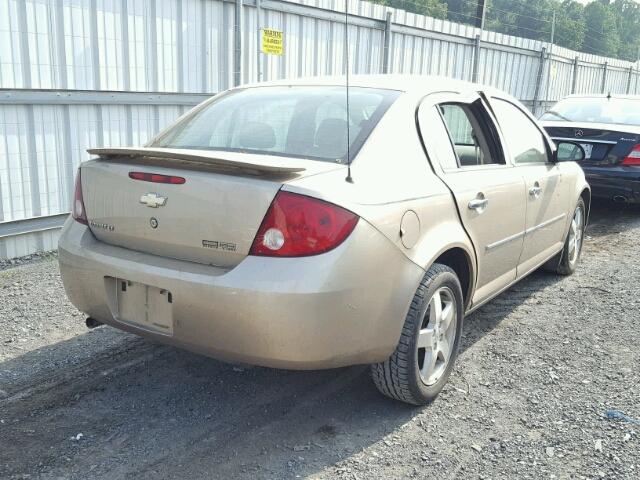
(620, 199)
(92, 323)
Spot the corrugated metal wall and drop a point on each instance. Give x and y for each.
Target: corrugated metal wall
(186, 48)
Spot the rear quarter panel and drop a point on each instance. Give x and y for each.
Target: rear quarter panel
(392, 177)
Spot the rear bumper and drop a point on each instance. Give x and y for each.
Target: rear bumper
(614, 182)
(344, 307)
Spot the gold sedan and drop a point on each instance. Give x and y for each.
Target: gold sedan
(276, 226)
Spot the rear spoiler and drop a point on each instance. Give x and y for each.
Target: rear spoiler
(231, 160)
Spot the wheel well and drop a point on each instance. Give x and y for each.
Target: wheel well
(458, 260)
(586, 196)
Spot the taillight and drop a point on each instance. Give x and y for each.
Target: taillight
(79, 213)
(297, 226)
(633, 159)
(156, 178)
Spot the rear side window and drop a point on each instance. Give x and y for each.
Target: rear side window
(471, 134)
(524, 140)
(305, 122)
(459, 125)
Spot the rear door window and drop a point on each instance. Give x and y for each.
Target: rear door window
(472, 135)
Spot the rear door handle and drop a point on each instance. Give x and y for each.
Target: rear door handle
(536, 190)
(479, 204)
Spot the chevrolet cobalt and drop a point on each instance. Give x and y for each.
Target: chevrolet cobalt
(279, 225)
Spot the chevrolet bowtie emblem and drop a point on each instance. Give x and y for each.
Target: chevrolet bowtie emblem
(153, 200)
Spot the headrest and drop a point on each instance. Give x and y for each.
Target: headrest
(257, 136)
(331, 137)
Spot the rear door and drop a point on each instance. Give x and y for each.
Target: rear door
(465, 151)
(548, 194)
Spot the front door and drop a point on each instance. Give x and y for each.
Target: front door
(547, 199)
(466, 153)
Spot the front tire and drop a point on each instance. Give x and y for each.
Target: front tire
(566, 261)
(419, 367)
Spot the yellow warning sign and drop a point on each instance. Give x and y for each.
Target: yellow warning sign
(272, 42)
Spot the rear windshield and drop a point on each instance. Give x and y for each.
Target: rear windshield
(622, 111)
(304, 122)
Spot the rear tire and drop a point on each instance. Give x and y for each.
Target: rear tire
(419, 367)
(566, 262)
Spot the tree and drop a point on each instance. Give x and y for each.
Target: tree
(628, 23)
(514, 17)
(570, 25)
(604, 27)
(602, 36)
(462, 11)
(431, 8)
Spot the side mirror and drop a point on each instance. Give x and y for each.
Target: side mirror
(568, 152)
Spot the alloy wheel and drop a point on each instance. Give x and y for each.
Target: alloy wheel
(437, 336)
(575, 235)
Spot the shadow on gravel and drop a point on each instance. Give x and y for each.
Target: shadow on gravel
(607, 218)
(489, 316)
(146, 410)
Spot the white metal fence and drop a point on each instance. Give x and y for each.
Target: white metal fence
(80, 73)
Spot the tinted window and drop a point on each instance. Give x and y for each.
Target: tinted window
(624, 111)
(471, 137)
(306, 122)
(526, 143)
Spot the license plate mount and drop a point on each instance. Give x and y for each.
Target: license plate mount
(144, 306)
(588, 150)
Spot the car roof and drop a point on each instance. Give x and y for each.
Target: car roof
(423, 84)
(621, 96)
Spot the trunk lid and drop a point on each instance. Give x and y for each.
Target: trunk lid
(211, 218)
(603, 143)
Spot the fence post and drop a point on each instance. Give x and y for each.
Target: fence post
(574, 82)
(386, 59)
(476, 59)
(237, 39)
(547, 92)
(481, 14)
(604, 77)
(629, 79)
(536, 93)
(258, 41)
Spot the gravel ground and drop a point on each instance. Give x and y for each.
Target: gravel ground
(539, 368)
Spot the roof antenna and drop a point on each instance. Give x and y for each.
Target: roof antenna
(609, 95)
(349, 179)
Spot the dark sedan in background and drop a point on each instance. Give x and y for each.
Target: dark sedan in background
(608, 128)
